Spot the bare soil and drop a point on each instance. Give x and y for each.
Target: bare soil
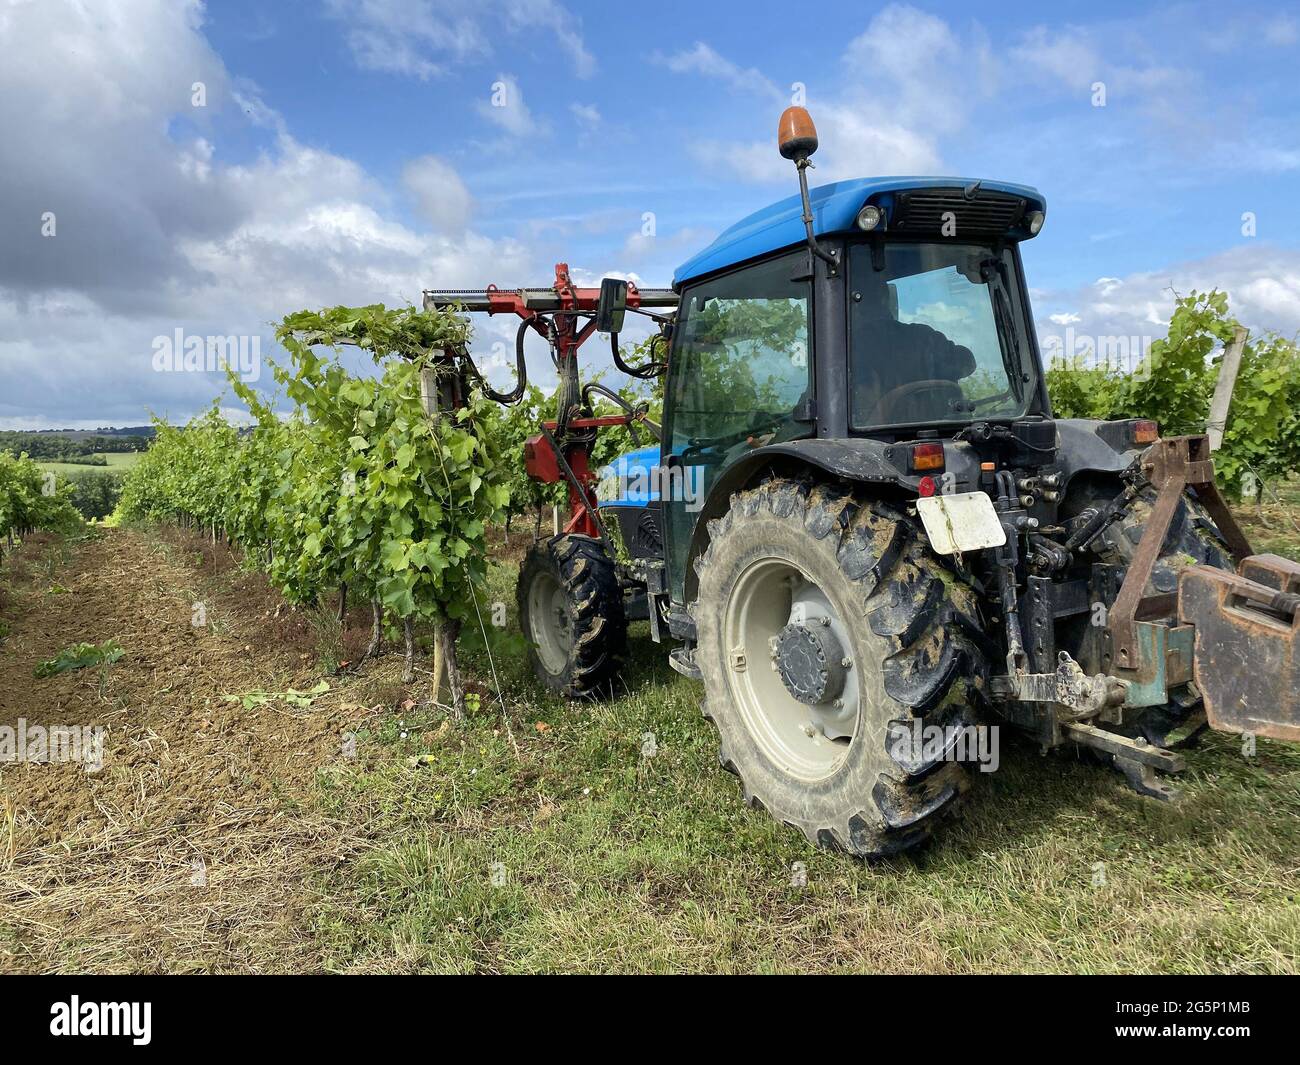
(194, 845)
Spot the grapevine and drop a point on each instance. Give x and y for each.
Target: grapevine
(32, 499)
(360, 488)
(1175, 381)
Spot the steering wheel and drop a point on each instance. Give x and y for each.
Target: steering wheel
(700, 443)
(881, 411)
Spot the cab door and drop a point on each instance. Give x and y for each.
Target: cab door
(739, 375)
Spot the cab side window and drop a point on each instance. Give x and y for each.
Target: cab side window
(742, 356)
(740, 371)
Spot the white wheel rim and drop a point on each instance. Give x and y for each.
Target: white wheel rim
(808, 742)
(549, 623)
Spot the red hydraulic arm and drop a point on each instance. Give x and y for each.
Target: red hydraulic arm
(563, 316)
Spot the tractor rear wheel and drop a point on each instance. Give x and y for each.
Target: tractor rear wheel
(571, 611)
(1193, 539)
(828, 637)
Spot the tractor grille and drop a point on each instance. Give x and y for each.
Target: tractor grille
(987, 215)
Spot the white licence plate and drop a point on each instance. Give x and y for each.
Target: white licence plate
(965, 521)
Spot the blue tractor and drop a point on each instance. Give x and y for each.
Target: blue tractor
(869, 538)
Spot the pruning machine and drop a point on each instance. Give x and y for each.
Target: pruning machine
(863, 529)
(566, 316)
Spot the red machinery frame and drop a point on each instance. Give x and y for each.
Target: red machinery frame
(556, 314)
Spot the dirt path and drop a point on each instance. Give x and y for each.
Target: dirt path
(191, 848)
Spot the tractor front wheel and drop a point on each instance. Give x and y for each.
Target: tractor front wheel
(831, 641)
(571, 611)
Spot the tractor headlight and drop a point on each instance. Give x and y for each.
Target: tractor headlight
(871, 217)
(1036, 221)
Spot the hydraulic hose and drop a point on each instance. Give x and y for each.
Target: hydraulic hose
(521, 372)
(635, 414)
(644, 372)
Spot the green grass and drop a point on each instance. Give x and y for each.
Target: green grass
(576, 853)
(119, 460)
(1274, 524)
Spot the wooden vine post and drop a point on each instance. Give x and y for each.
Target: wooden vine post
(446, 670)
(1223, 388)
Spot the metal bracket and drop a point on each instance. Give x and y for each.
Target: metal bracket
(1069, 686)
(1136, 759)
(1171, 466)
(682, 659)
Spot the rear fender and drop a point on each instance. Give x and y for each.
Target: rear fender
(854, 461)
(1083, 447)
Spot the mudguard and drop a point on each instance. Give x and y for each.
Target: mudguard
(853, 459)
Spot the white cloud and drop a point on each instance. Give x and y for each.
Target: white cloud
(1067, 57)
(1167, 96)
(439, 192)
(1282, 31)
(853, 144)
(641, 247)
(700, 58)
(399, 36)
(506, 108)
(755, 161)
(82, 138)
(259, 113)
(857, 142)
(1275, 298)
(1262, 284)
(587, 114)
(908, 89)
(426, 38)
(1254, 150)
(155, 234)
(528, 15)
(906, 80)
(911, 66)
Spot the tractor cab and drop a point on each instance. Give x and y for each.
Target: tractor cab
(881, 308)
(924, 311)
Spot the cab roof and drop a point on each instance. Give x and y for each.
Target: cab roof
(834, 210)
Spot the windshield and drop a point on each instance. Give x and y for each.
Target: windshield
(936, 335)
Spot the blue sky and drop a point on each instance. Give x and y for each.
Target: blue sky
(349, 151)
